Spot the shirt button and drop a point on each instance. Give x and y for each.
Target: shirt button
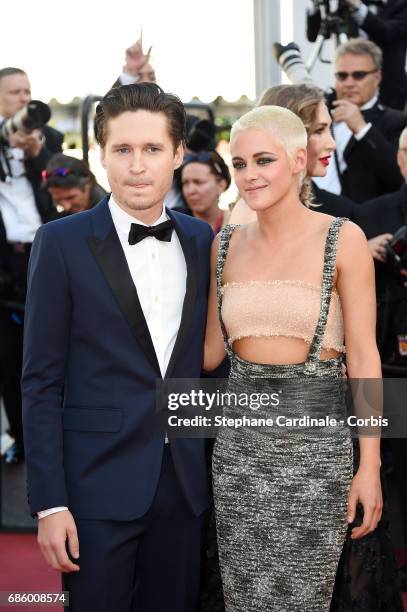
(153, 255)
(156, 299)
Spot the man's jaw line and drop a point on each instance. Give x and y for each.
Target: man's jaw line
(141, 212)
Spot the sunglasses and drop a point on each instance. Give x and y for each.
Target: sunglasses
(357, 75)
(60, 172)
(204, 157)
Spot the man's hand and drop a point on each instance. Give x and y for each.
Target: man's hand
(136, 58)
(53, 531)
(30, 143)
(349, 113)
(377, 246)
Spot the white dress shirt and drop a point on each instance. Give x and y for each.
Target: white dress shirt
(159, 273)
(342, 135)
(17, 202)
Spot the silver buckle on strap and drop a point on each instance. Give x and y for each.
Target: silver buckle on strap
(309, 367)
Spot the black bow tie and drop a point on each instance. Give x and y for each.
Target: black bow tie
(162, 231)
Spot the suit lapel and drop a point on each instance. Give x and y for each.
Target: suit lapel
(190, 253)
(107, 250)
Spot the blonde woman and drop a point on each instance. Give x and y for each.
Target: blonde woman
(309, 104)
(284, 294)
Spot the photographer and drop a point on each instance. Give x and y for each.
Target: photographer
(384, 23)
(383, 220)
(380, 219)
(137, 67)
(72, 185)
(366, 133)
(24, 206)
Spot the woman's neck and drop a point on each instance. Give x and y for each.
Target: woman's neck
(281, 218)
(210, 215)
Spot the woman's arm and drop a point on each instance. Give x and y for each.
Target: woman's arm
(214, 350)
(356, 288)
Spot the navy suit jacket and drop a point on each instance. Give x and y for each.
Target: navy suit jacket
(90, 370)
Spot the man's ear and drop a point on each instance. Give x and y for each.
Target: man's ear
(178, 156)
(399, 160)
(379, 75)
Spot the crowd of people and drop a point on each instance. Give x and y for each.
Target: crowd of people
(101, 294)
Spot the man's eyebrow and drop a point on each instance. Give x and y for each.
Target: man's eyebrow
(144, 144)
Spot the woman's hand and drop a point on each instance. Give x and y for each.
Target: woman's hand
(365, 489)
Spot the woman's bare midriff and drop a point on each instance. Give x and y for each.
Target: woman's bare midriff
(277, 350)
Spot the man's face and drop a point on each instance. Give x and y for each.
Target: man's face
(147, 74)
(357, 91)
(71, 199)
(402, 157)
(15, 93)
(140, 160)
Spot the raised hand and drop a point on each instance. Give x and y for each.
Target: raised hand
(136, 58)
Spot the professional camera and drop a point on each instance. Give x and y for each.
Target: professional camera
(33, 116)
(332, 7)
(335, 8)
(392, 303)
(396, 249)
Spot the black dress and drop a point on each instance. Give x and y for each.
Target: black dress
(367, 580)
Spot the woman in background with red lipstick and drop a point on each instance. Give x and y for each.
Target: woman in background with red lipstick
(309, 104)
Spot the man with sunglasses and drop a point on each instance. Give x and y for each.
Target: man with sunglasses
(72, 185)
(366, 133)
(24, 206)
(384, 22)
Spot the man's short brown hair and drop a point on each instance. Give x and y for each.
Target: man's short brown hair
(9, 71)
(361, 46)
(141, 96)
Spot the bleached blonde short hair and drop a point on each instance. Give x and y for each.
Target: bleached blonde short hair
(286, 127)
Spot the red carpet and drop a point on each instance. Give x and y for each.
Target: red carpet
(401, 556)
(23, 569)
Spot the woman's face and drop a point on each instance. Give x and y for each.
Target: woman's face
(264, 172)
(200, 187)
(320, 143)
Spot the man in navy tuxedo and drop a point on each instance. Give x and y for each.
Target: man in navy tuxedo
(116, 300)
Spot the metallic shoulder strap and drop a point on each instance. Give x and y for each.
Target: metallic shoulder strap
(326, 293)
(224, 240)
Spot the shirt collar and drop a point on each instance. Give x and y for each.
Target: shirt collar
(370, 103)
(122, 220)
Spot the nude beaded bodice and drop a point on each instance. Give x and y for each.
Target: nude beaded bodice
(279, 308)
(290, 308)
